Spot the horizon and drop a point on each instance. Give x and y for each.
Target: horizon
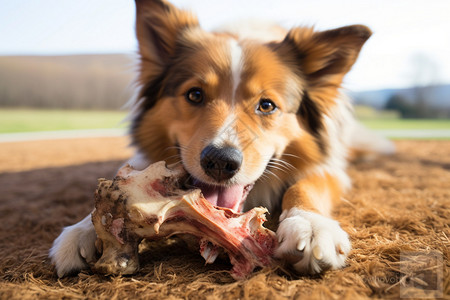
(409, 46)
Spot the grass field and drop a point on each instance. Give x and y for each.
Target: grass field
(30, 120)
(407, 124)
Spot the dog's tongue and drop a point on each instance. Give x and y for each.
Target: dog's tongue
(229, 197)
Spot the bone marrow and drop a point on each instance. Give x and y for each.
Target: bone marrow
(154, 204)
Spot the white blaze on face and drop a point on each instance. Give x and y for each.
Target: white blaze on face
(235, 65)
(227, 133)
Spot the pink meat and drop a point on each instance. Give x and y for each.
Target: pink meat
(154, 204)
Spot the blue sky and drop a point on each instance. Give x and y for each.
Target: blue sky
(411, 41)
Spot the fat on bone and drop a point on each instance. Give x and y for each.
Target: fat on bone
(152, 204)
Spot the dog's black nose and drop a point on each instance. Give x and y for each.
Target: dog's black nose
(220, 163)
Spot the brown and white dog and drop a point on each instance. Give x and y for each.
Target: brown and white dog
(255, 120)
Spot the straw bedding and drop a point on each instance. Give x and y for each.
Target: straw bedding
(397, 216)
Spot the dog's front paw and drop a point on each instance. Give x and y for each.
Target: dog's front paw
(311, 242)
(74, 248)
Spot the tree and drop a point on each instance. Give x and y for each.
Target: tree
(399, 103)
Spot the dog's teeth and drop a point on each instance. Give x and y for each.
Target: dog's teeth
(317, 253)
(339, 249)
(301, 245)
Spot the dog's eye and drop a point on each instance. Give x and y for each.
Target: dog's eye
(194, 95)
(266, 106)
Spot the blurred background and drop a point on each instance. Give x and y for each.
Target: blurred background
(69, 65)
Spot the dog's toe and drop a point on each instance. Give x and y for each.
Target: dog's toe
(310, 242)
(74, 248)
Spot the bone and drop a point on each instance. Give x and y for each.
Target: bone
(153, 204)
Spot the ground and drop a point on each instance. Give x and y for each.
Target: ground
(397, 215)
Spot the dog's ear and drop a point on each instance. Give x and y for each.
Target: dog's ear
(324, 57)
(158, 25)
(321, 59)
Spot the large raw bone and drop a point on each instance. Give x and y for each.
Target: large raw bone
(151, 204)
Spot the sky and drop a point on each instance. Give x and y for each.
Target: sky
(410, 44)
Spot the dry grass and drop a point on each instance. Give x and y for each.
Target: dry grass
(399, 205)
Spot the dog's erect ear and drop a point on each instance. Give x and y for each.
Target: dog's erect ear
(324, 57)
(321, 59)
(158, 24)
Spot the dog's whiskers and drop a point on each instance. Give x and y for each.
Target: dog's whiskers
(177, 147)
(187, 181)
(282, 164)
(277, 168)
(291, 155)
(294, 156)
(266, 176)
(173, 156)
(178, 162)
(177, 155)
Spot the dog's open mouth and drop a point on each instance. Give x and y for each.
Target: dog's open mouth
(228, 196)
(232, 197)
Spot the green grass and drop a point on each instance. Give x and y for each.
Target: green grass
(28, 120)
(410, 124)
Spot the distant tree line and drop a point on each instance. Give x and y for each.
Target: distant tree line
(418, 108)
(67, 82)
(421, 102)
(106, 82)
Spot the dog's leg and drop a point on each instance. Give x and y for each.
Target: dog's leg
(309, 239)
(74, 248)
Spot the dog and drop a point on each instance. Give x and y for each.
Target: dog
(256, 119)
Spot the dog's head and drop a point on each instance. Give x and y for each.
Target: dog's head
(231, 110)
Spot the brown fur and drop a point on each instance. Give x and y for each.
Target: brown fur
(301, 74)
(304, 191)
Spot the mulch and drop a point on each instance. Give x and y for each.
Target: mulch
(397, 215)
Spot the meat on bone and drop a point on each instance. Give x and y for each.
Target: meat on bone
(154, 204)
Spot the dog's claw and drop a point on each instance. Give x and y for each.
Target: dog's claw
(317, 253)
(312, 243)
(301, 246)
(83, 253)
